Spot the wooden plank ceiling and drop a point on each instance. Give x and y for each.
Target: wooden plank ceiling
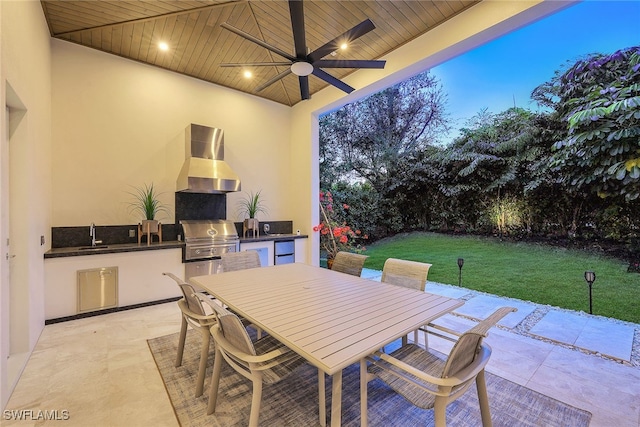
(198, 45)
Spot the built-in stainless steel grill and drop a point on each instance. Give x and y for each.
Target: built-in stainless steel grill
(205, 242)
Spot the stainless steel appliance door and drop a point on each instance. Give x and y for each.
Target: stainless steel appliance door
(202, 268)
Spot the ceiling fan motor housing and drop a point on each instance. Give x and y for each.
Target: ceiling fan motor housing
(301, 68)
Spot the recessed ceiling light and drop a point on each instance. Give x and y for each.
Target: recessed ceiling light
(248, 74)
(163, 46)
(343, 46)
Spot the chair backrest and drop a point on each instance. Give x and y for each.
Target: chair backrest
(349, 262)
(193, 302)
(233, 261)
(462, 354)
(467, 346)
(234, 331)
(410, 274)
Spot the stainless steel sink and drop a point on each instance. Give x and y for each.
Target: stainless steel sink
(94, 247)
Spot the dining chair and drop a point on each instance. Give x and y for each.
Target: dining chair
(194, 315)
(349, 262)
(427, 380)
(410, 274)
(265, 361)
(233, 261)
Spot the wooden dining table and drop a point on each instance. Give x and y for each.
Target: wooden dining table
(331, 319)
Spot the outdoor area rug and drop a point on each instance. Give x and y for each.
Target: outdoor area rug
(294, 401)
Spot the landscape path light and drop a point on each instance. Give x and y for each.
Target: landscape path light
(460, 264)
(590, 277)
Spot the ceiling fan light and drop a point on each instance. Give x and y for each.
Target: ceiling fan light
(301, 68)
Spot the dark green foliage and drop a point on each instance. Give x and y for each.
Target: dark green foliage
(572, 171)
(599, 98)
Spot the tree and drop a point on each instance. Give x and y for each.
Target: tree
(599, 98)
(373, 140)
(369, 137)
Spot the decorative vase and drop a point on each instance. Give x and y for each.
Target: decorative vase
(329, 263)
(251, 224)
(149, 226)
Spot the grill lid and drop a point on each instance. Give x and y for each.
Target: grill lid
(210, 229)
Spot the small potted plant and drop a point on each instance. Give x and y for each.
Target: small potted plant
(250, 206)
(146, 202)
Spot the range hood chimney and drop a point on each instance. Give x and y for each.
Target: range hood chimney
(204, 169)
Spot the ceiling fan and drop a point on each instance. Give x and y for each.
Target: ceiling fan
(303, 64)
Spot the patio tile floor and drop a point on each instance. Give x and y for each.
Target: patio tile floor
(101, 370)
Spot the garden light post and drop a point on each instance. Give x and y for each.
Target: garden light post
(590, 277)
(460, 264)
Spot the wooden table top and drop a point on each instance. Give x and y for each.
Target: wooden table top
(330, 318)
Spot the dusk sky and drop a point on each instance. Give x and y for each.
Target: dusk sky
(509, 68)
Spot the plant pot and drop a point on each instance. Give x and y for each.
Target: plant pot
(252, 225)
(149, 226)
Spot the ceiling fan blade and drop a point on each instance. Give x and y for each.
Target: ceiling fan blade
(297, 25)
(257, 41)
(273, 80)
(349, 63)
(304, 87)
(258, 64)
(332, 80)
(358, 31)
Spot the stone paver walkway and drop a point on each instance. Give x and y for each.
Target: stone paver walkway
(610, 338)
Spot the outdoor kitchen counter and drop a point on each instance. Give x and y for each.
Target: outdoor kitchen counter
(110, 249)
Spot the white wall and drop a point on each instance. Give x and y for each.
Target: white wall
(26, 88)
(118, 123)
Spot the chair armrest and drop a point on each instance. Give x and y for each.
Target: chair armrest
(463, 376)
(185, 309)
(174, 277)
(258, 359)
(217, 308)
(444, 329)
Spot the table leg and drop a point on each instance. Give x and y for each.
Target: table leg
(322, 401)
(336, 399)
(364, 380)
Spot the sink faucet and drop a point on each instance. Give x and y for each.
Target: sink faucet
(92, 233)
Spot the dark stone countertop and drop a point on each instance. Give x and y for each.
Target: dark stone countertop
(111, 249)
(134, 247)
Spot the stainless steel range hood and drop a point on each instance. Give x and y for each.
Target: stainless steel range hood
(204, 169)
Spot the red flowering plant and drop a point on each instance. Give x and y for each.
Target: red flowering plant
(334, 236)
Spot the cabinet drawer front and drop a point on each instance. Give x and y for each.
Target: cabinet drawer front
(285, 248)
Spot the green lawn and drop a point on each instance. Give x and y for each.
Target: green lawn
(531, 272)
